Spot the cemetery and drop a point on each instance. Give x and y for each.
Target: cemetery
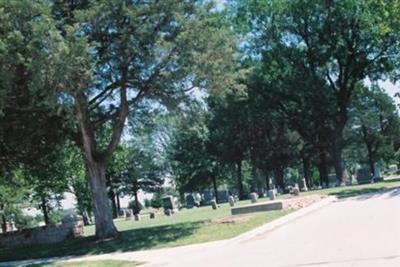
(186, 226)
(200, 127)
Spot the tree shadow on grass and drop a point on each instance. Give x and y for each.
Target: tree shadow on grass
(130, 240)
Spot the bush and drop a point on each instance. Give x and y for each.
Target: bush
(23, 221)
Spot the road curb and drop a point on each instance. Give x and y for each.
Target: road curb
(283, 220)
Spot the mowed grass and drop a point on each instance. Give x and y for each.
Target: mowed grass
(103, 263)
(189, 226)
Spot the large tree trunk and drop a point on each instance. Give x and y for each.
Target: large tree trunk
(307, 171)
(3, 224)
(267, 181)
(323, 169)
(95, 159)
(118, 202)
(279, 177)
(111, 195)
(85, 217)
(371, 161)
(135, 194)
(368, 144)
(113, 203)
(45, 211)
(337, 158)
(214, 181)
(240, 180)
(105, 227)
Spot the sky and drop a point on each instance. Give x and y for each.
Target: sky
(391, 89)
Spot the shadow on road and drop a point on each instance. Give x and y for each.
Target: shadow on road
(367, 193)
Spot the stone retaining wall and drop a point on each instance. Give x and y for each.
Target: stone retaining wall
(42, 235)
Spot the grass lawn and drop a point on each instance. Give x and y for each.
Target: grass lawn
(189, 226)
(105, 263)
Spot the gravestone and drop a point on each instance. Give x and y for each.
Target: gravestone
(197, 199)
(352, 179)
(303, 185)
(121, 213)
(137, 217)
(393, 168)
(364, 176)
(128, 214)
(296, 190)
(168, 212)
(152, 215)
(207, 197)
(332, 181)
(223, 196)
(272, 194)
(231, 200)
(169, 203)
(253, 197)
(190, 201)
(214, 204)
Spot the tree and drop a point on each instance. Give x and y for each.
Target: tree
(77, 180)
(121, 54)
(29, 125)
(374, 118)
(229, 131)
(13, 194)
(193, 164)
(115, 173)
(341, 42)
(144, 172)
(273, 145)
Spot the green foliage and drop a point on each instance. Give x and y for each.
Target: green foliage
(75, 174)
(192, 163)
(29, 49)
(374, 127)
(309, 57)
(23, 221)
(13, 195)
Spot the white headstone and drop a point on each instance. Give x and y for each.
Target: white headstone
(253, 197)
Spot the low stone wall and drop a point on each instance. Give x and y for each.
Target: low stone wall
(258, 207)
(290, 203)
(42, 235)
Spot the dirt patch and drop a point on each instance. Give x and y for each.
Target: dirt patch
(232, 219)
(296, 203)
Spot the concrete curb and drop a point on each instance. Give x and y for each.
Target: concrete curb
(283, 220)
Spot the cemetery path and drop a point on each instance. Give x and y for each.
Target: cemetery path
(360, 231)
